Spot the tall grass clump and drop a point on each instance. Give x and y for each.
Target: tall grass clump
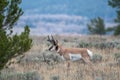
(21, 76)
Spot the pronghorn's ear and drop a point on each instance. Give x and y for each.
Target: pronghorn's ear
(48, 38)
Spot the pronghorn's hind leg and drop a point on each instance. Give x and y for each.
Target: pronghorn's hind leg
(88, 62)
(85, 61)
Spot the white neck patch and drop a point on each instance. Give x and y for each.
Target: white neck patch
(58, 50)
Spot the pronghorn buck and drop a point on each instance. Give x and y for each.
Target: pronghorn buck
(72, 54)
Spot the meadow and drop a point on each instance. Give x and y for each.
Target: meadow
(41, 64)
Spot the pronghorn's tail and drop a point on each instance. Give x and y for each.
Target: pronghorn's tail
(90, 53)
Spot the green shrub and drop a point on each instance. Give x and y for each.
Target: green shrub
(46, 56)
(96, 58)
(83, 44)
(117, 56)
(65, 40)
(98, 78)
(51, 57)
(36, 57)
(118, 46)
(56, 77)
(99, 45)
(118, 61)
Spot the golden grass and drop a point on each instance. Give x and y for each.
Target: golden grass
(104, 70)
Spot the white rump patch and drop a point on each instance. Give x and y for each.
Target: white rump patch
(75, 57)
(90, 53)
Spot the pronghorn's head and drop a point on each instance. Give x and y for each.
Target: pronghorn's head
(54, 44)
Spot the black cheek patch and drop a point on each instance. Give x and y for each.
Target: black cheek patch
(56, 48)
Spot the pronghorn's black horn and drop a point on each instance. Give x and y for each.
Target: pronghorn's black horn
(54, 42)
(52, 37)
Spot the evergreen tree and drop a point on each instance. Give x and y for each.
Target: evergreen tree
(116, 4)
(97, 26)
(11, 45)
(9, 13)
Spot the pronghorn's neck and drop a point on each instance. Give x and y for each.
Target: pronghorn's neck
(60, 50)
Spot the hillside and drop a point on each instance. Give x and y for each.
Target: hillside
(63, 16)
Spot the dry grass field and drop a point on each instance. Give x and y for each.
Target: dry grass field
(40, 64)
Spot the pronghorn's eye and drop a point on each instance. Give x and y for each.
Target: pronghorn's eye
(56, 48)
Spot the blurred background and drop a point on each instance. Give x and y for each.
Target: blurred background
(63, 16)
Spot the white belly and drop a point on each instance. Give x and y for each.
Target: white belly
(75, 57)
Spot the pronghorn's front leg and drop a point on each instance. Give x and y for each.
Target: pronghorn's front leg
(68, 67)
(68, 64)
(67, 58)
(87, 61)
(84, 60)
